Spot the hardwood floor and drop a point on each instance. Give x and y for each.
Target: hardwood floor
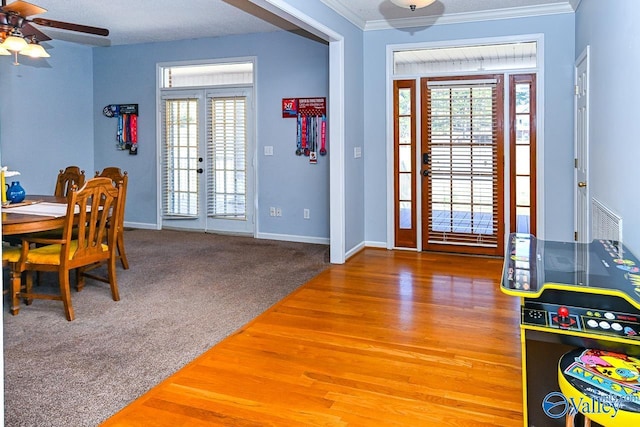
(390, 338)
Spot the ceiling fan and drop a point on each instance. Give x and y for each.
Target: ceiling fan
(19, 34)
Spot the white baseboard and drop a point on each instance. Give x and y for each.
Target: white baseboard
(371, 244)
(351, 252)
(143, 225)
(293, 238)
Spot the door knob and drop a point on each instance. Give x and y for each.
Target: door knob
(425, 172)
(582, 184)
(200, 170)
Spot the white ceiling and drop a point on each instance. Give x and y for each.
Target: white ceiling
(139, 21)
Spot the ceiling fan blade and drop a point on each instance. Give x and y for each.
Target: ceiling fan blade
(71, 27)
(23, 8)
(29, 30)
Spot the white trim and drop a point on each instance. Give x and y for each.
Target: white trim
(372, 244)
(461, 18)
(540, 113)
(585, 55)
(293, 238)
(451, 18)
(143, 225)
(337, 198)
(465, 83)
(337, 202)
(390, 152)
(575, 4)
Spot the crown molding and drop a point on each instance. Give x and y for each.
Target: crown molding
(454, 18)
(347, 13)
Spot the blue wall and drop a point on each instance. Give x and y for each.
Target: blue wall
(288, 66)
(46, 120)
(611, 30)
(65, 97)
(354, 212)
(558, 33)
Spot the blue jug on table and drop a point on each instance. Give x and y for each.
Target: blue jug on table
(15, 192)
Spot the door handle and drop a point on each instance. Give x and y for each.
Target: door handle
(200, 170)
(426, 172)
(582, 184)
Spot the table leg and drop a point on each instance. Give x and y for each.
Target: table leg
(16, 281)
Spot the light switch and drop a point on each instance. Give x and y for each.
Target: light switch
(357, 152)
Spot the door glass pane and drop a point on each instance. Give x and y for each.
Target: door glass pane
(405, 215)
(180, 179)
(404, 158)
(523, 215)
(522, 159)
(405, 186)
(522, 190)
(404, 102)
(405, 130)
(227, 155)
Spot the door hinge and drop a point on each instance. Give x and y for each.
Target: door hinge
(576, 88)
(575, 163)
(575, 236)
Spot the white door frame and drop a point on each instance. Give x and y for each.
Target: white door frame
(581, 148)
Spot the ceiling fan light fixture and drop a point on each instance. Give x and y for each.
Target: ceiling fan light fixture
(412, 4)
(14, 42)
(34, 50)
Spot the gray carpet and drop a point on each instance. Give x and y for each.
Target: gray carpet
(183, 293)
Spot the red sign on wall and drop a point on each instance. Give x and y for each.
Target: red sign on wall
(305, 106)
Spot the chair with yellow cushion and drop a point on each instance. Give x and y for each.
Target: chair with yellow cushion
(122, 179)
(86, 241)
(67, 178)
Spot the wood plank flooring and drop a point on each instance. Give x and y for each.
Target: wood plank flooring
(391, 338)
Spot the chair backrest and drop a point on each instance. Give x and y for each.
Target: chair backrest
(89, 211)
(118, 178)
(67, 178)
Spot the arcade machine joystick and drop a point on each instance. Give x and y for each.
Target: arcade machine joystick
(564, 321)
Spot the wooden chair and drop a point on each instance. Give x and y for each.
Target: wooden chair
(89, 210)
(119, 178)
(67, 178)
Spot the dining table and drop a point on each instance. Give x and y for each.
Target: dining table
(34, 214)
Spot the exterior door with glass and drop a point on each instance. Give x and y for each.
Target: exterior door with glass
(207, 160)
(461, 160)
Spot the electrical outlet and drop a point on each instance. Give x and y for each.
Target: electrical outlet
(306, 214)
(278, 211)
(272, 211)
(268, 150)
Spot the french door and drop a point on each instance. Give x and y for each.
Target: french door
(462, 166)
(207, 158)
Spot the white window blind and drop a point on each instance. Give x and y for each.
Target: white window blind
(180, 158)
(227, 140)
(463, 145)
